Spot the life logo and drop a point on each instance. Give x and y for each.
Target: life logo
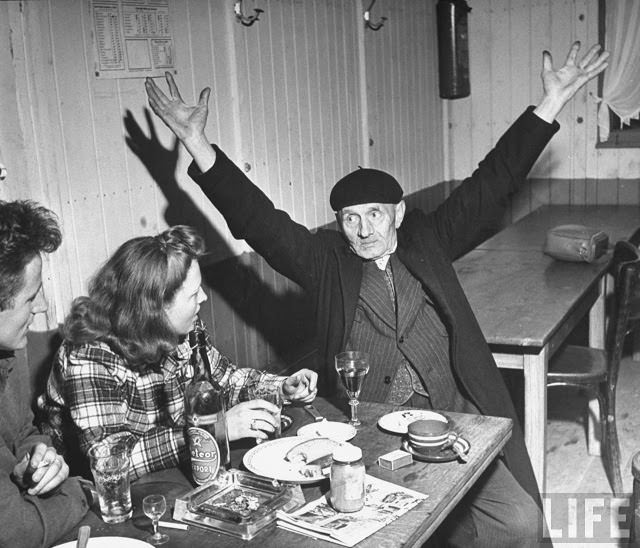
(584, 518)
(205, 455)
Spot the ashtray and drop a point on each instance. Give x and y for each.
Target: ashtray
(237, 503)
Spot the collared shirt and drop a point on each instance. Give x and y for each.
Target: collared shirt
(93, 386)
(381, 262)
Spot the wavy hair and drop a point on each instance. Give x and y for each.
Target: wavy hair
(128, 295)
(26, 230)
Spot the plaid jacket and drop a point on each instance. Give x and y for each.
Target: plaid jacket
(91, 394)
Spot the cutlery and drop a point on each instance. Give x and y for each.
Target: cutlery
(309, 408)
(83, 536)
(173, 525)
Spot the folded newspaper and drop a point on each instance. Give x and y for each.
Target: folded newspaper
(384, 503)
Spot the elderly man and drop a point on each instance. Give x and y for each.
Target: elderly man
(39, 503)
(385, 283)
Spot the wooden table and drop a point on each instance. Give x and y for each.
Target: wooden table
(445, 483)
(527, 303)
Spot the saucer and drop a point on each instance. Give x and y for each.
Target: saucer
(437, 455)
(338, 431)
(398, 421)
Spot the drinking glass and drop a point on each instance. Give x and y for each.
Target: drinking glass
(154, 506)
(352, 366)
(271, 394)
(109, 460)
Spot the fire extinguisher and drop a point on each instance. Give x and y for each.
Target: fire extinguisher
(453, 48)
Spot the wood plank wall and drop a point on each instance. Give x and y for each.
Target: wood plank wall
(300, 98)
(507, 38)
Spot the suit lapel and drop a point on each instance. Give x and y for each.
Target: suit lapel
(375, 293)
(409, 294)
(350, 274)
(413, 255)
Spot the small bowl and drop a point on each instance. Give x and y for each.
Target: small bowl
(427, 435)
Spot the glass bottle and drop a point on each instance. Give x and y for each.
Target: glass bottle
(347, 478)
(204, 409)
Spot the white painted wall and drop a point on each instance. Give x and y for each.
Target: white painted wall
(300, 98)
(507, 38)
(295, 100)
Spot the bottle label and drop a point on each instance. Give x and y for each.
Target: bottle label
(205, 455)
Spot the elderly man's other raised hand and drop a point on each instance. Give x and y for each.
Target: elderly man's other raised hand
(186, 121)
(562, 84)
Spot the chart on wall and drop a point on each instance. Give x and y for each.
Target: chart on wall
(131, 38)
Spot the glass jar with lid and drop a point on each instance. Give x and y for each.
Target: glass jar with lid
(347, 478)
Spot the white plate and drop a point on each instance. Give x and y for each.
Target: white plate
(109, 542)
(338, 431)
(267, 459)
(398, 421)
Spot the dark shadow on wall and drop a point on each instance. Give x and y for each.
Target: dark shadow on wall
(282, 318)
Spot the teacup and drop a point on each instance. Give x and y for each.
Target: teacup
(430, 435)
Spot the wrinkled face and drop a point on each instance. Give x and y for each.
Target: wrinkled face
(184, 307)
(29, 301)
(371, 229)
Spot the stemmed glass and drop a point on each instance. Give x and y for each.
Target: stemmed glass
(154, 507)
(352, 366)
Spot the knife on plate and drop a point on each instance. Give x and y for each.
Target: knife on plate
(309, 408)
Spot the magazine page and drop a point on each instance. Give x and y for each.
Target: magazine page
(384, 502)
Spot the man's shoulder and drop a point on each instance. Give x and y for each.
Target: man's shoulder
(414, 220)
(330, 237)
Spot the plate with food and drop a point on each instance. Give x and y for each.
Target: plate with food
(338, 431)
(294, 459)
(398, 421)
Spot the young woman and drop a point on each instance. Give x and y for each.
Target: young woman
(125, 360)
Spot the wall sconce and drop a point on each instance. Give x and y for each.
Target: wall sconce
(246, 20)
(367, 18)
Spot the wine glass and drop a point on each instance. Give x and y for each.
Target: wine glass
(352, 366)
(154, 506)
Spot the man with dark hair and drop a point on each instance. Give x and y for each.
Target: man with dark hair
(38, 502)
(385, 283)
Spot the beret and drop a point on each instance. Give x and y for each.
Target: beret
(365, 186)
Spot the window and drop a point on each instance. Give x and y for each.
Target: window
(627, 136)
(620, 135)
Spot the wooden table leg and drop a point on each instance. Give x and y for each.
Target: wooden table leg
(535, 412)
(597, 320)
(635, 501)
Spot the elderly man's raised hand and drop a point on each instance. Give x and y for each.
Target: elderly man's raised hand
(562, 84)
(186, 121)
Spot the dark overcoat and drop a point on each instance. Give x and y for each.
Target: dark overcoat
(324, 266)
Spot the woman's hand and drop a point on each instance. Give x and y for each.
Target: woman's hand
(301, 386)
(251, 419)
(41, 471)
